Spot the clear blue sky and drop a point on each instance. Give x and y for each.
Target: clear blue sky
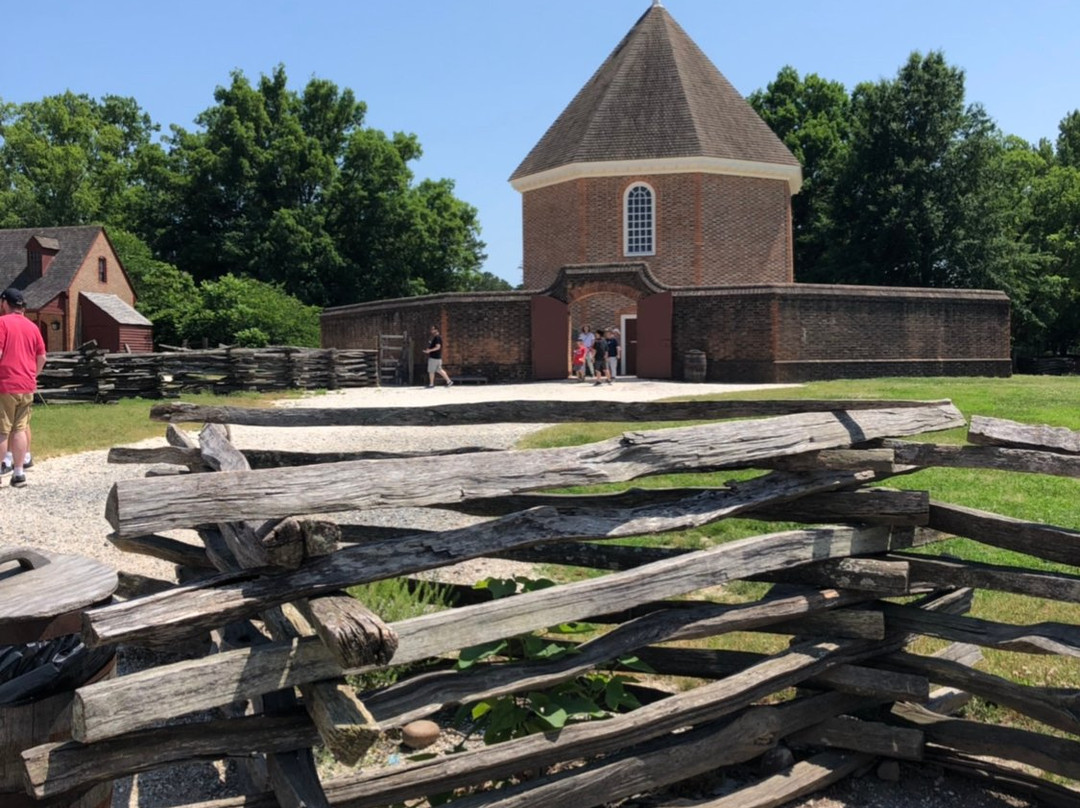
(479, 81)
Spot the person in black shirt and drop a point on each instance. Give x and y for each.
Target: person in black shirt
(599, 357)
(614, 353)
(434, 359)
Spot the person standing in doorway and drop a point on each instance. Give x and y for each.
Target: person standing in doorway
(599, 357)
(22, 356)
(434, 359)
(614, 353)
(587, 337)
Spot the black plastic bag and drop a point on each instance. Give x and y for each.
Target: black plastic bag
(38, 670)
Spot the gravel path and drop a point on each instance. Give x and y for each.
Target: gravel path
(62, 511)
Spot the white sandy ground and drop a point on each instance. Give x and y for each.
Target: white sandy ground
(62, 511)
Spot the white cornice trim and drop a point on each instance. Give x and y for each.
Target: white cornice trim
(792, 175)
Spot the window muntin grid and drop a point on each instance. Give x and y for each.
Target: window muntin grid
(640, 224)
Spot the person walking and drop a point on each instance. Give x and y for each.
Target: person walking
(22, 356)
(577, 360)
(434, 359)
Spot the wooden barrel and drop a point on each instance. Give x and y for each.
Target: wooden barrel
(28, 725)
(695, 366)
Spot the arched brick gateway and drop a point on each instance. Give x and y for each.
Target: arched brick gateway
(561, 309)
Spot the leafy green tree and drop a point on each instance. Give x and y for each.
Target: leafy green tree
(1068, 141)
(917, 202)
(1042, 295)
(165, 295)
(485, 282)
(292, 189)
(812, 116)
(70, 159)
(228, 310)
(1051, 194)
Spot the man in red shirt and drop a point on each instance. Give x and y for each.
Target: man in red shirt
(22, 356)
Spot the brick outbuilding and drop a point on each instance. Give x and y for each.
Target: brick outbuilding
(75, 287)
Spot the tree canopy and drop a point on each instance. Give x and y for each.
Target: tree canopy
(908, 185)
(69, 159)
(292, 189)
(280, 201)
(813, 118)
(277, 201)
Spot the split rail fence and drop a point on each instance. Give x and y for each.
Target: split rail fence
(266, 584)
(93, 374)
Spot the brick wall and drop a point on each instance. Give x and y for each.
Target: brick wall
(804, 332)
(87, 280)
(710, 229)
(553, 232)
(760, 333)
(746, 225)
(485, 334)
(601, 310)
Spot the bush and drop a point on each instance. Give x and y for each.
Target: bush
(252, 338)
(235, 309)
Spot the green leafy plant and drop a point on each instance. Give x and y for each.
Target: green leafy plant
(589, 696)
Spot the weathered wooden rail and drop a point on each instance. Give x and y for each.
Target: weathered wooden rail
(266, 567)
(92, 374)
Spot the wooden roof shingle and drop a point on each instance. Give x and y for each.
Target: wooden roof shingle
(118, 310)
(657, 96)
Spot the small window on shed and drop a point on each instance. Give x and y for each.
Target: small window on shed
(640, 223)
(102, 270)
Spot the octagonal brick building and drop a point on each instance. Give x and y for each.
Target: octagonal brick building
(659, 160)
(659, 203)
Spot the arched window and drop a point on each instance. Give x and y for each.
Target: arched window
(640, 222)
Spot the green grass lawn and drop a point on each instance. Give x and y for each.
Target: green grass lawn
(60, 429)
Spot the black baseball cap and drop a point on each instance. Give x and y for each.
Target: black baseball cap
(14, 297)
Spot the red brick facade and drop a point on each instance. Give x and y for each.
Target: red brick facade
(758, 333)
(485, 334)
(89, 279)
(804, 332)
(710, 230)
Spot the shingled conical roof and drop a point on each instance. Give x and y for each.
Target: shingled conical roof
(658, 97)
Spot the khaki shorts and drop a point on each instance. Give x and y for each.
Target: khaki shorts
(14, 412)
(434, 365)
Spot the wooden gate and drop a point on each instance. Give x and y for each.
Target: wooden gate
(654, 336)
(550, 338)
(395, 360)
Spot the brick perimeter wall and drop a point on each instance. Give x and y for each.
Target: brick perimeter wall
(764, 333)
(485, 335)
(805, 333)
(711, 230)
